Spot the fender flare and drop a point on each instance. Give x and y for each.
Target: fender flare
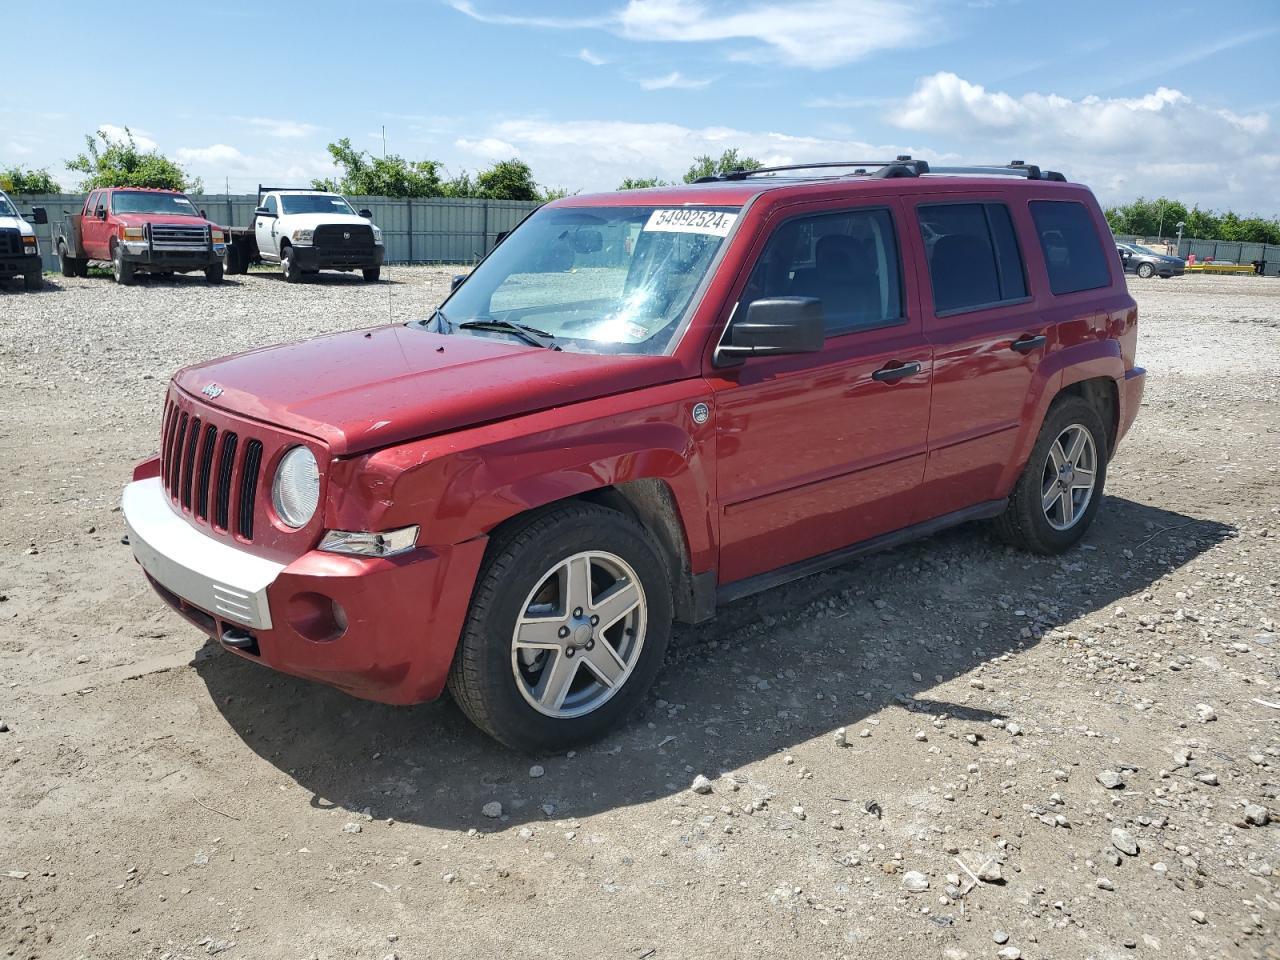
(1059, 370)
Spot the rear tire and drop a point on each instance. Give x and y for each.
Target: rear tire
(372, 274)
(213, 274)
(65, 263)
(121, 269)
(1145, 270)
(289, 268)
(1050, 507)
(549, 692)
(33, 281)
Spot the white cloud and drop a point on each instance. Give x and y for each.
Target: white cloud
(598, 155)
(1163, 120)
(219, 153)
(805, 33)
(284, 129)
(114, 132)
(1162, 143)
(674, 80)
(1198, 154)
(586, 56)
(488, 148)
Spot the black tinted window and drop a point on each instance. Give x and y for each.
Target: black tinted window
(1073, 253)
(973, 254)
(849, 261)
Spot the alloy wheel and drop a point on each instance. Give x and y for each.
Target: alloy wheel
(579, 635)
(1069, 477)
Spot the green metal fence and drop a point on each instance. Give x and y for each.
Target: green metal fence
(436, 230)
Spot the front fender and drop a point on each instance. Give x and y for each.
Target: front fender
(462, 485)
(1059, 370)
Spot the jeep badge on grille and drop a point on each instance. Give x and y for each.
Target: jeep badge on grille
(211, 390)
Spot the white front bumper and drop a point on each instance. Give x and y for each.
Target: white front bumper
(205, 572)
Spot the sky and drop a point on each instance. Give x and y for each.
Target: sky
(1133, 99)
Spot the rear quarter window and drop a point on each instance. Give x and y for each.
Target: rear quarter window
(1073, 252)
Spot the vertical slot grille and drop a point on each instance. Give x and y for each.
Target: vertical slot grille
(175, 454)
(222, 499)
(189, 461)
(170, 415)
(206, 467)
(249, 487)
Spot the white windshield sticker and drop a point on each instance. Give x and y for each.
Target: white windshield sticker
(714, 223)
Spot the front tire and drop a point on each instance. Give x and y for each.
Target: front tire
(33, 281)
(289, 268)
(1145, 270)
(568, 627)
(121, 269)
(213, 274)
(371, 274)
(1056, 498)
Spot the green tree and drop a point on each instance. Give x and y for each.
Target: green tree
(728, 162)
(391, 176)
(506, 180)
(642, 183)
(1152, 218)
(20, 180)
(122, 163)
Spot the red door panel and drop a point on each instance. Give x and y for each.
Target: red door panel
(815, 455)
(981, 382)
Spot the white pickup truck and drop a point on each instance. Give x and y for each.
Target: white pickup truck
(19, 248)
(306, 231)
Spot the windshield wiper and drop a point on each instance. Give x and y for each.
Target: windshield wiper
(530, 335)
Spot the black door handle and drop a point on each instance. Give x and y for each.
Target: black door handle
(894, 374)
(1027, 344)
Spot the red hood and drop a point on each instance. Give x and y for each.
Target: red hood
(365, 389)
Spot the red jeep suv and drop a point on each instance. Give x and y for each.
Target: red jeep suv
(639, 406)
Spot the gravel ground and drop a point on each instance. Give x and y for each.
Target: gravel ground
(950, 750)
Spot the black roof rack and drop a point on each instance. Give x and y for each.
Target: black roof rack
(1016, 168)
(262, 190)
(901, 166)
(859, 168)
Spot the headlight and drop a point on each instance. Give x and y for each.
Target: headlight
(134, 233)
(29, 245)
(364, 544)
(217, 236)
(303, 236)
(377, 235)
(295, 492)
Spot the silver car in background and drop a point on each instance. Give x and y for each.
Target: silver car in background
(1147, 264)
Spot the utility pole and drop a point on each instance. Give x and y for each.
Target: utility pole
(384, 141)
(1159, 227)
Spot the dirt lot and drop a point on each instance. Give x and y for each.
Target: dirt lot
(161, 799)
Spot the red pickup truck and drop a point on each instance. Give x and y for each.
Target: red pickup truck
(638, 407)
(140, 230)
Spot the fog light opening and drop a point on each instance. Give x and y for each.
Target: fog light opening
(316, 617)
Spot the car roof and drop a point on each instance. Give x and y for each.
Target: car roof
(736, 192)
(178, 193)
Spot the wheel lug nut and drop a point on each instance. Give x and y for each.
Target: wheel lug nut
(564, 632)
(590, 645)
(569, 651)
(595, 620)
(577, 612)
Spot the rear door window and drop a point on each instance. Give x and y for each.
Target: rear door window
(973, 254)
(847, 260)
(1073, 252)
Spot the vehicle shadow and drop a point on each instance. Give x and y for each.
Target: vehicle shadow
(768, 673)
(325, 278)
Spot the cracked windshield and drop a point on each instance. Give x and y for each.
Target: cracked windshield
(598, 279)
